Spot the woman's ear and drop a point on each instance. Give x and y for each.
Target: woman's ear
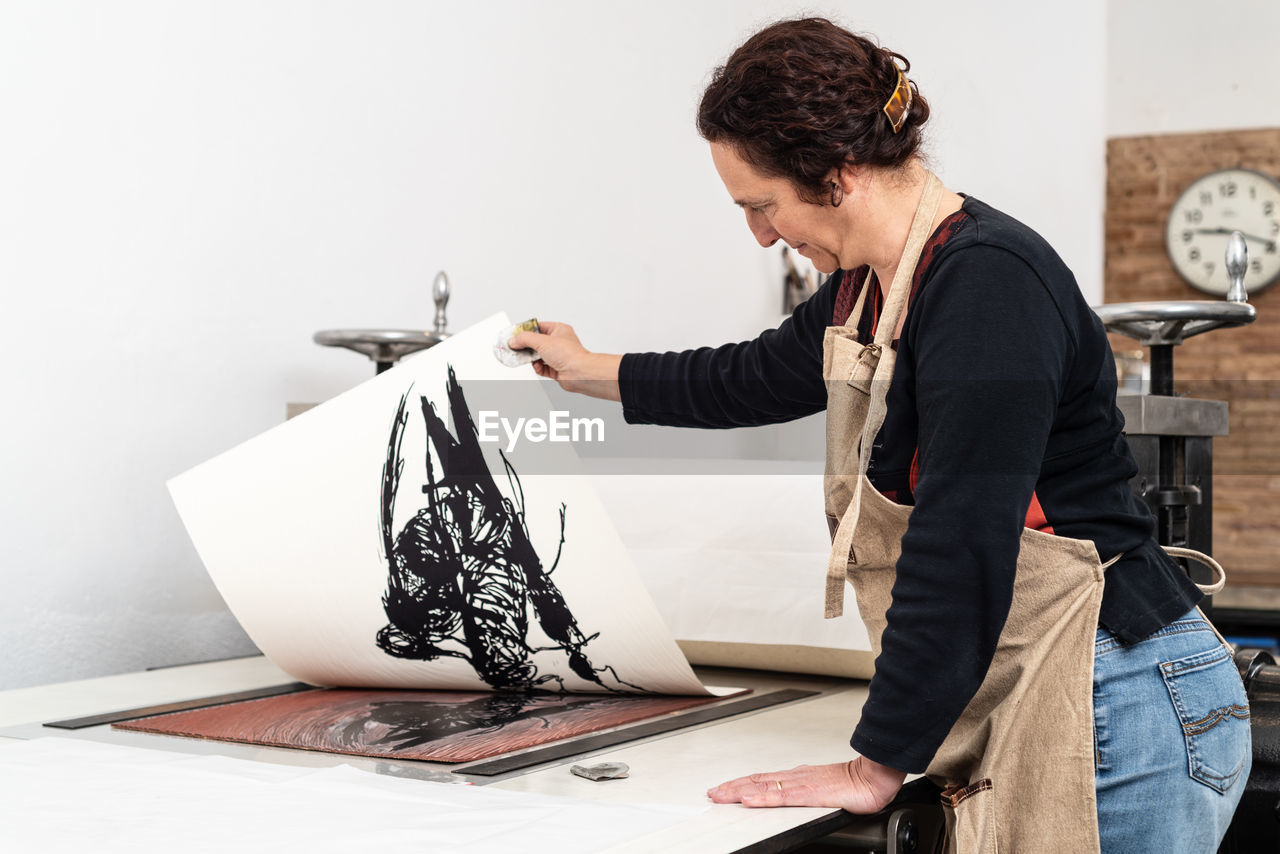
(840, 182)
(847, 177)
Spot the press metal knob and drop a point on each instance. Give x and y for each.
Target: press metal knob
(440, 293)
(1237, 264)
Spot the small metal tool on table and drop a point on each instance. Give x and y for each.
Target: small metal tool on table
(387, 346)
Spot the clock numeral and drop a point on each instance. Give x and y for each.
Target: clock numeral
(1256, 266)
(1194, 216)
(1275, 227)
(1253, 191)
(1271, 248)
(1227, 189)
(1206, 198)
(1186, 236)
(1208, 269)
(1194, 254)
(1268, 208)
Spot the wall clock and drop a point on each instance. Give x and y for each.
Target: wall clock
(1206, 213)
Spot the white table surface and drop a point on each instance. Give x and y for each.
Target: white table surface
(674, 768)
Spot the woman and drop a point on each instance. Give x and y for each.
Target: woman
(977, 479)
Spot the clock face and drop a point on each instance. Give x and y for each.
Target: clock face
(1203, 218)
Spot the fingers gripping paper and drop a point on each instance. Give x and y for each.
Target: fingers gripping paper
(376, 541)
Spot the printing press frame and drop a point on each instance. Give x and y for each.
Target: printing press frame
(1172, 440)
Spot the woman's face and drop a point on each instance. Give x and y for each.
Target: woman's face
(776, 212)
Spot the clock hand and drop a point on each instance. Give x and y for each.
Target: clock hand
(1229, 230)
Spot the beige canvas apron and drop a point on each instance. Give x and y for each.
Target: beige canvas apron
(1017, 768)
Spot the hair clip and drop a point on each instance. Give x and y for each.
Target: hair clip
(898, 107)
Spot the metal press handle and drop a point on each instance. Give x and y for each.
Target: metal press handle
(387, 346)
(1156, 324)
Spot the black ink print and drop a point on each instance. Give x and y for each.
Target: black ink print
(436, 726)
(411, 723)
(463, 570)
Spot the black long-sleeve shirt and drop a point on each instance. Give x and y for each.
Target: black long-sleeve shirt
(1001, 414)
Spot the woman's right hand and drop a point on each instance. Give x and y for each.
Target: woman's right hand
(561, 357)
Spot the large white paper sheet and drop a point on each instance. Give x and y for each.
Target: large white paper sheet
(68, 795)
(307, 528)
(736, 553)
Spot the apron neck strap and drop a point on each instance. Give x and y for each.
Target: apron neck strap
(894, 305)
(926, 212)
(855, 316)
(895, 302)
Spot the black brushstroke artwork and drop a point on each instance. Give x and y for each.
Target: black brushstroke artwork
(463, 571)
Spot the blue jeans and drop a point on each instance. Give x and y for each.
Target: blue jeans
(1172, 741)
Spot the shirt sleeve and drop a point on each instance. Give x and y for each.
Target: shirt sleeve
(989, 351)
(775, 377)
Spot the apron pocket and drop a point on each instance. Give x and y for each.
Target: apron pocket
(971, 818)
(1209, 697)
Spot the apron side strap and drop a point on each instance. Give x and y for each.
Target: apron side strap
(838, 563)
(1220, 574)
(834, 601)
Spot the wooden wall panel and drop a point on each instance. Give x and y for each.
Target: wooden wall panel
(1145, 175)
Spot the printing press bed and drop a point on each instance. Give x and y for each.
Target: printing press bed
(673, 768)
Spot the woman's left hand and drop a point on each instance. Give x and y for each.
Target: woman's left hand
(859, 786)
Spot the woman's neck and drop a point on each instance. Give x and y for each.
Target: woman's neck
(893, 197)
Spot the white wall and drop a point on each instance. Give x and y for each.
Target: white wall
(189, 190)
(1186, 66)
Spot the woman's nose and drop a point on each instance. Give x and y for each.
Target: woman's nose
(761, 229)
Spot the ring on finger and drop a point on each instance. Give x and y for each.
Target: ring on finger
(778, 783)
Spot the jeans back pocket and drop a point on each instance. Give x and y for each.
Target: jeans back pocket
(1207, 692)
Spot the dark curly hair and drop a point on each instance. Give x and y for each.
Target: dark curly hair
(804, 97)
